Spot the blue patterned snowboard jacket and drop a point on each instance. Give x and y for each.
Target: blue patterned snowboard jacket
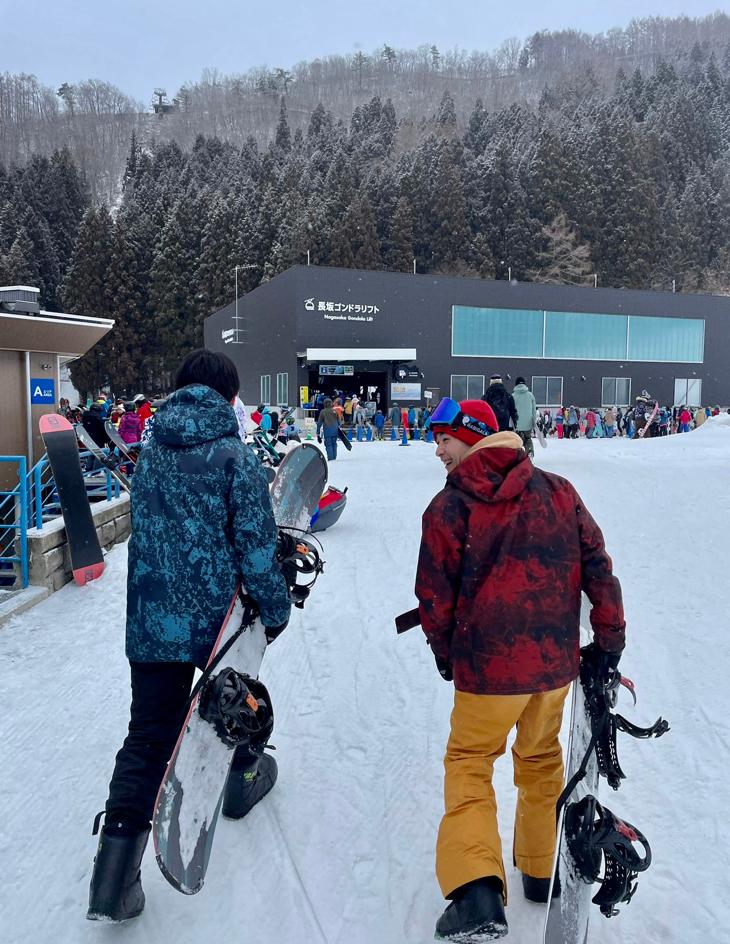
(201, 521)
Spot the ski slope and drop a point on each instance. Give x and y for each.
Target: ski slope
(342, 850)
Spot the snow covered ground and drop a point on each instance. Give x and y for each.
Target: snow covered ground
(342, 850)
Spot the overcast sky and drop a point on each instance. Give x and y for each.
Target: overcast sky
(137, 44)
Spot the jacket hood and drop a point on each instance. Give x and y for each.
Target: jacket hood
(194, 415)
(495, 469)
(521, 387)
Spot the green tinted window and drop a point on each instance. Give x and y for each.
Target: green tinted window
(589, 336)
(666, 339)
(496, 332)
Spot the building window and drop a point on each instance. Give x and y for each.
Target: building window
(667, 339)
(282, 389)
(572, 334)
(547, 391)
(687, 392)
(615, 391)
(266, 388)
(496, 332)
(467, 386)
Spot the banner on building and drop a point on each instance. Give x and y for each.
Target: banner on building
(405, 391)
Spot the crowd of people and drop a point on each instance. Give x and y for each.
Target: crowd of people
(594, 423)
(130, 417)
(646, 418)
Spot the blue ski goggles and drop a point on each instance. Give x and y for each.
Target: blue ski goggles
(448, 413)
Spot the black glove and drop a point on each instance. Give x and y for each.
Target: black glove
(444, 667)
(273, 632)
(600, 661)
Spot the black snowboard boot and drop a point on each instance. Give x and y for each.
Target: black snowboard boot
(537, 889)
(476, 913)
(116, 889)
(249, 781)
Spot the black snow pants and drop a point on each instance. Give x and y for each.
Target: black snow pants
(160, 693)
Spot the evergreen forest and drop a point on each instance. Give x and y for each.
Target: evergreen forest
(620, 180)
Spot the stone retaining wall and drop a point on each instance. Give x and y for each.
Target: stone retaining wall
(50, 562)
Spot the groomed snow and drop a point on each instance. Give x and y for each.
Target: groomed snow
(342, 850)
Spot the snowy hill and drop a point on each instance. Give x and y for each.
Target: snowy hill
(342, 850)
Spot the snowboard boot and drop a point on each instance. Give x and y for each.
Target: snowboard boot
(116, 889)
(249, 781)
(475, 915)
(537, 889)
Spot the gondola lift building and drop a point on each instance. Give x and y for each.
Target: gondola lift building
(409, 338)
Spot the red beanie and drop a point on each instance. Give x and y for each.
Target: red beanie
(478, 411)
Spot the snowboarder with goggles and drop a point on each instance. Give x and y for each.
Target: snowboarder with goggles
(506, 552)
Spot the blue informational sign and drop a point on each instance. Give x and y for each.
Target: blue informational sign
(43, 391)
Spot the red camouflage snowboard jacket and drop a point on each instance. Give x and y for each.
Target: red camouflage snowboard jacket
(505, 553)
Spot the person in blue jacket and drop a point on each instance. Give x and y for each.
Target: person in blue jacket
(202, 522)
(379, 424)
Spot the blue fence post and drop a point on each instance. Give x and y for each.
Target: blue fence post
(23, 489)
(38, 488)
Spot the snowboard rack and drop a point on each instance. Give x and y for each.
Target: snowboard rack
(595, 837)
(238, 707)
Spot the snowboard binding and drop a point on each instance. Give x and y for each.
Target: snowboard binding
(595, 837)
(239, 708)
(601, 694)
(298, 558)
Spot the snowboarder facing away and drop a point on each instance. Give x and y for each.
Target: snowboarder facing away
(502, 403)
(505, 553)
(526, 409)
(201, 522)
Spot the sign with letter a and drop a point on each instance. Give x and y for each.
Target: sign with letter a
(42, 391)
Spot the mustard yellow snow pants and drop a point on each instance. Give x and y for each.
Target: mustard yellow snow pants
(468, 844)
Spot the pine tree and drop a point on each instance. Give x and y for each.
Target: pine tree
(446, 115)
(177, 317)
(282, 139)
(478, 130)
(364, 234)
(449, 230)
(563, 258)
(20, 264)
(44, 255)
(84, 293)
(131, 343)
(401, 237)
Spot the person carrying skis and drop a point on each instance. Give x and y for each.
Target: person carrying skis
(506, 551)
(501, 402)
(202, 522)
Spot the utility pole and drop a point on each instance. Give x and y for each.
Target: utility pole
(236, 319)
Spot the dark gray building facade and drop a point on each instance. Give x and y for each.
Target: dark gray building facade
(414, 338)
